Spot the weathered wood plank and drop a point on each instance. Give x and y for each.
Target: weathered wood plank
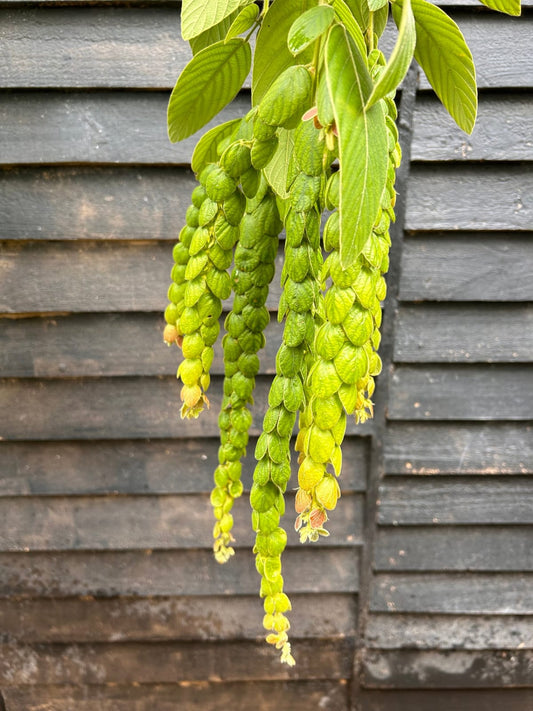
(473, 197)
(169, 618)
(438, 700)
(462, 393)
(459, 449)
(435, 333)
(169, 573)
(69, 203)
(137, 467)
(406, 669)
(90, 128)
(477, 549)
(115, 408)
(503, 131)
(453, 593)
(158, 522)
(466, 268)
(384, 631)
(170, 662)
(468, 501)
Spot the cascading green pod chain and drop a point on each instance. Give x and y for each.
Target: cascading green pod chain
(311, 61)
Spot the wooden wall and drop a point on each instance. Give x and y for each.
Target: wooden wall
(109, 596)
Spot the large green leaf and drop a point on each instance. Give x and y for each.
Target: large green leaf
(308, 27)
(400, 58)
(346, 16)
(244, 20)
(374, 5)
(277, 169)
(272, 55)
(444, 56)
(199, 15)
(363, 146)
(380, 19)
(510, 7)
(206, 148)
(359, 10)
(209, 81)
(213, 34)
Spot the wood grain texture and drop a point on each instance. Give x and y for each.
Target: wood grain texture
(68, 203)
(469, 197)
(71, 620)
(456, 699)
(467, 268)
(450, 448)
(466, 548)
(503, 130)
(453, 593)
(169, 573)
(487, 392)
(181, 466)
(464, 333)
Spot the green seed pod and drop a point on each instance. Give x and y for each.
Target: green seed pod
(250, 182)
(219, 186)
(234, 207)
(235, 160)
(287, 98)
(262, 131)
(262, 152)
(191, 216)
(333, 192)
(207, 212)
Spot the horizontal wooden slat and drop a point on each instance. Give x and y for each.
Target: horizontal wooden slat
(469, 197)
(155, 573)
(462, 393)
(439, 700)
(169, 662)
(91, 128)
(503, 131)
(169, 618)
(215, 696)
(385, 631)
(415, 501)
(447, 670)
(145, 203)
(140, 522)
(455, 548)
(464, 333)
(458, 449)
(137, 467)
(453, 593)
(466, 268)
(115, 408)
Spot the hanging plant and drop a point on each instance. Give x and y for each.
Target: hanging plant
(320, 135)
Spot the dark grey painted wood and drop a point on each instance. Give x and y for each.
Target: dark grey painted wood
(469, 197)
(464, 333)
(437, 700)
(467, 268)
(462, 393)
(450, 448)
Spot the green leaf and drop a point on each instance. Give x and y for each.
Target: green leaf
(380, 19)
(277, 170)
(213, 34)
(400, 59)
(308, 27)
(444, 56)
(346, 16)
(272, 54)
(244, 20)
(360, 12)
(374, 5)
(199, 15)
(206, 148)
(210, 80)
(510, 7)
(363, 145)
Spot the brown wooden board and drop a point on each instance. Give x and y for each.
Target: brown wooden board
(212, 695)
(115, 408)
(141, 522)
(503, 130)
(494, 548)
(458, 700)
(466, 392)
(453, 593)
(174, 572)
(469, 197)
(67, 203)
(464, 333)
(139, 467)
(385, 631)
(450, 448)
(466, 501)
(467, 268)
(447, 670)
(332, 615)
